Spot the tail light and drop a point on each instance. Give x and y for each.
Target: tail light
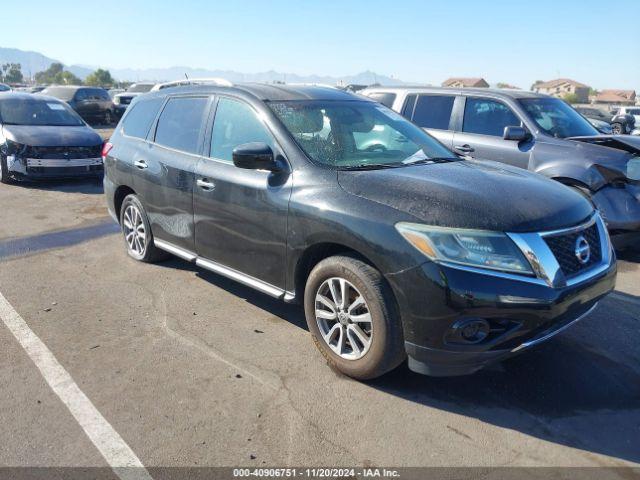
(106, 148)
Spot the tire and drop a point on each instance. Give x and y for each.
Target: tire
(134, 221)
(617, 128)
(385, 349)
(108, 118)
(4, 171)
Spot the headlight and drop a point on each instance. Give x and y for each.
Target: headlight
(116, 100)
(476, 248)
(12, 148)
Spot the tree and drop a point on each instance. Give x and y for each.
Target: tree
(48, 75)
(571, 98)
(12, 73)
(537, 82)
(56, 74)
(66, 78)
(100, 78)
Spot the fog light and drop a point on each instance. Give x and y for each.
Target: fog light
(469, 330)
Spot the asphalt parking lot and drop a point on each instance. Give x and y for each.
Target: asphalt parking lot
(191, 369)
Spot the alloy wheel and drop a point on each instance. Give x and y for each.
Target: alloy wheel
(343, 318)
(135, 233)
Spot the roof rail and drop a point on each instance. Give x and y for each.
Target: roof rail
(193, 81)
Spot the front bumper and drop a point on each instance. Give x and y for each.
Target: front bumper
(619, 207)
(434, 298)
(37, 168)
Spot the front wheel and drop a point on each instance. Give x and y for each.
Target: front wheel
(137, 232)
(353, 319)
(4, 171)
(617, 128)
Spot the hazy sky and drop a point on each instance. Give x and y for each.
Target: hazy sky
(413, 40)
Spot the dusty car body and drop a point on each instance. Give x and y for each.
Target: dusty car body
(488, 124)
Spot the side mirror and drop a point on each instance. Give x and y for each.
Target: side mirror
(255, 156)
(515, 133)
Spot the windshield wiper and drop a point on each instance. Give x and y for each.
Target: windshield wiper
(371, 166)
(422, 161)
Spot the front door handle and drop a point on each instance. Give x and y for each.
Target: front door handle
(464, 148)
(205, 184)
(141, 164)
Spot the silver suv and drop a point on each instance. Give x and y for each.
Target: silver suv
(532, 131)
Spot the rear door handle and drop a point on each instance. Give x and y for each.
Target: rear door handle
(464, 148)
(205, 184)
(141, 164)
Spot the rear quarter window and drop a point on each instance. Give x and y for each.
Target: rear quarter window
(139, 118)
(433, 111)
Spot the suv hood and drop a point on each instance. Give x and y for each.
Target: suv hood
(470, 194)
(49, 136)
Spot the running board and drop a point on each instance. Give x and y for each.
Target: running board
(212, 266)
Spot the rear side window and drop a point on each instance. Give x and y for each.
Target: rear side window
(180, 123)
(138, 120)
(487, 117)
(433, 111)
(385, 99)
(236, 123)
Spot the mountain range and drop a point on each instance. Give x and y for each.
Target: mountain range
(33, 62)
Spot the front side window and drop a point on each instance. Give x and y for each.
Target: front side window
(235, 123)
(140, 116)
(487, 117)
(180, 123)
(433, 111)
(557, 118)
(31, 111)
(356, 134)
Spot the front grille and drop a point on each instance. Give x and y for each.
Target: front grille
(563, 247)
(63, 153)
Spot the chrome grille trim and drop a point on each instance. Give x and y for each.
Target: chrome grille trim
(58, 162)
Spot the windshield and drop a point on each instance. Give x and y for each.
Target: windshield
(30, 111)
(557, 118)
(357, 134)
(140, 87)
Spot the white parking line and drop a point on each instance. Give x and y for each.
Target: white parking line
(113, 448)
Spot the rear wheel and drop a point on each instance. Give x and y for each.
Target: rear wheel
(352, 317)
(137, 232)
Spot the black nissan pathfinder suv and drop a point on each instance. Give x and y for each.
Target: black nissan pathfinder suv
(395, 246)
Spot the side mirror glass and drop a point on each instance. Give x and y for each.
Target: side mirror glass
(515, 133)
(255, 156)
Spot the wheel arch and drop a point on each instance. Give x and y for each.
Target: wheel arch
(314, 254)
(118, 197)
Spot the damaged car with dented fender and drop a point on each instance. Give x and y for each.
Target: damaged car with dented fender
(535, 132)
(395, 246)
(42, 137)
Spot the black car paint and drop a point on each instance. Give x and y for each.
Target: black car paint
(274, 226)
